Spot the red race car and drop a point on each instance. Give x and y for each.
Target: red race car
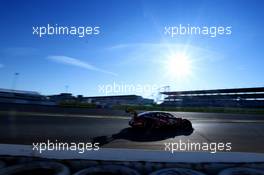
(157, 119)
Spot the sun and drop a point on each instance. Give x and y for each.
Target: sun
(178, 66)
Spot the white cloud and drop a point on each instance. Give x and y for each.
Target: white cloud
(154, 52)
(20, 51)
(78, 63)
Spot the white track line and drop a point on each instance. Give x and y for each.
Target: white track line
(127, 118)
(63, 115)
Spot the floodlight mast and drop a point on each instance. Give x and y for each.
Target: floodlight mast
(15, 80)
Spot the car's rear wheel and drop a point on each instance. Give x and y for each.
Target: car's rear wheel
(149, 124)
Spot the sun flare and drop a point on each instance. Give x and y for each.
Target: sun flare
(178, 66)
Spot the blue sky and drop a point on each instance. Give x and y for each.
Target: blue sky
(131, 47)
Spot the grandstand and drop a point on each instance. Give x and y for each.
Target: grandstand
(239, 97)
(119, 100)
(23, 97)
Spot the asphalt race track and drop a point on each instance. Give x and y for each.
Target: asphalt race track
(245, 132)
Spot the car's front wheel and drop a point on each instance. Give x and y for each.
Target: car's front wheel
(186, 124)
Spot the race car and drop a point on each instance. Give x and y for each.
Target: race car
(157, 119)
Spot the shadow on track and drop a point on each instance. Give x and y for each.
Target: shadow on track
(142, 135)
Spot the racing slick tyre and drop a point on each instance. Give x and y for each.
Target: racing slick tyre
(186, 124)
(36, 168)
(149, 125)
(107, 169)
(2, 164)
(241, 171)
(176, 171)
